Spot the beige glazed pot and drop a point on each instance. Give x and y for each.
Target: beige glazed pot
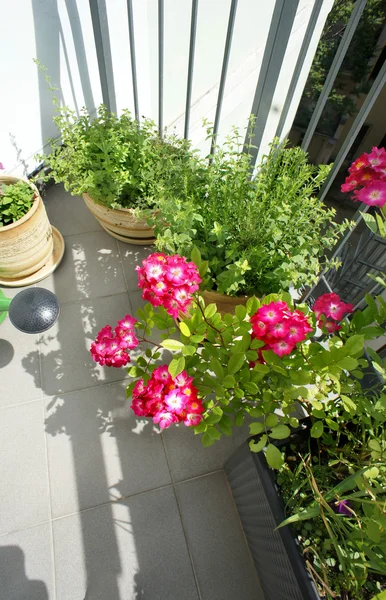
(122, 224)
(26, 245)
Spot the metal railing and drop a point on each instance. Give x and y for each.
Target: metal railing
(358, 251)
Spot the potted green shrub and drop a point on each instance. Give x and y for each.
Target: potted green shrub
(27, 240)
(116, 164)
(258, 235)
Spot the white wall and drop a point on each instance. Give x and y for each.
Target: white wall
(59, 33)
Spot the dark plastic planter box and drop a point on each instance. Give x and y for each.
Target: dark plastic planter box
(279, 564)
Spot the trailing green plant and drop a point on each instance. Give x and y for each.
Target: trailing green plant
(116, 160)
(16, 200)
(257, 235)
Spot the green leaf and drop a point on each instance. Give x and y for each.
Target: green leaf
(239, 418)
(240, 312)
(317, 429)
(349, 404)
(257, 447)
(309, 513)
(271, 420)
(355, 344)
(210, 310)
(251, 387)
(203, 268)
(176, 366)
(348, 363)
(207, 440)
(215, 416)
(373, 531)
(184, 329)
(256, 428)
(188, 350)
(274, 457)
(172, 344)
(370, 221)
(280, 432)
(236, 361)
(195, 256)
(229, 381)
(217, 368)
(225, 425)
(252, 305)
(381, 596)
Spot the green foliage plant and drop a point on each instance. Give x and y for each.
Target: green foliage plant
(116, 160)
(257, 235)
(16, 199)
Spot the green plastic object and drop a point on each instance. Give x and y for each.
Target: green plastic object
(4, 306)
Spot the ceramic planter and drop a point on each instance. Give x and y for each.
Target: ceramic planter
(122, 224)
(225, 304)
(279, 564)
(27, 245)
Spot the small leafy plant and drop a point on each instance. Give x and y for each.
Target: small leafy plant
(257, 235)
(16, 200)
(114, 159)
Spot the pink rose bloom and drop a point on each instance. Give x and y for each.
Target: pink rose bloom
(162, 374)
(281, 348)
(127, 322)
(374, 194)
(165, 419)
(192, 419)
(359, 164)
(175, 401)
(377, 157)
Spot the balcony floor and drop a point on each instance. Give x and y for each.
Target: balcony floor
(95, 503)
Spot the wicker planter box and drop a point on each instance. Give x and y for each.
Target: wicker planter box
(279, 564)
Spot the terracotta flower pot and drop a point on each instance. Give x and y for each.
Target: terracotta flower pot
(26, 245)
(122, 224)
(225, 304)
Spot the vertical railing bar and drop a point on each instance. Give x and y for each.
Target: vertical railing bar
(132, 56)
(279, 34)
(299, 65)
(96, 25)
(160, 66)
(192, 47)
(371, 97)
(224, 69)
(336, 64)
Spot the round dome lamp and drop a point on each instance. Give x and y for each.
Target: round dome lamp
(32, 310)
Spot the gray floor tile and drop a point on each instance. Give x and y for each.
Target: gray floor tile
(69, 213)
(26, 571)
(23, 467)
(66, 361)
(220, 554)
(99, 451)
(124, 551)
(19, 363)
(187, 456)
(91, 268)
(132, 256)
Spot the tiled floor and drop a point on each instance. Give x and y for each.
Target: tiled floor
(94, 502)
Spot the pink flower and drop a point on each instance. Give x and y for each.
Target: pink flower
(175, 401)
(331, 326)
(162, 374)
(165, 419)
(295, 332)
(374, 194)
(195, 406)
(377, 157)
(192, 419)
(350, 184)
(127, 322)
(359, 164)
(270, 313)
(279, 330)
(138, 406)
(183, 379)
(282, 347)
(331, 306)
(168, 281)
(1, 167)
